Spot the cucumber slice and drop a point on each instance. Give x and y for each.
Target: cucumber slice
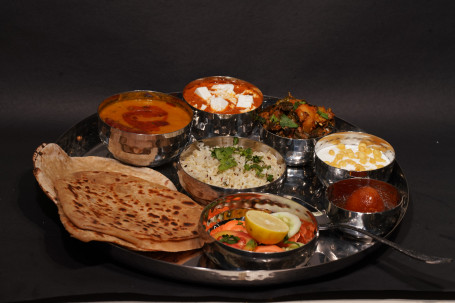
(291, 220)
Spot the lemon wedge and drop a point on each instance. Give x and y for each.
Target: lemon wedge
(264, 227)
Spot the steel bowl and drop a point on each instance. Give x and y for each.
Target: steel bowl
(144, 149)
(233, 207)
(205, 193)
(378, 223)
(296, 152)
(329, 174)
(207, 124)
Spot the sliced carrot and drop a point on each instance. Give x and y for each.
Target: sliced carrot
(234, 225)
(268, 248)
(237, 225)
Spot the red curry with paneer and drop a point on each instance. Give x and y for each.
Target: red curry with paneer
(222, 95)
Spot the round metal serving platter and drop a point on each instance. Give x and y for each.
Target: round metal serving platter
(334, 251)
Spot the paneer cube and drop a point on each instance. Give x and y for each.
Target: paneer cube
(218, 104)
(223, 87)
(245, 101)
(203, 92)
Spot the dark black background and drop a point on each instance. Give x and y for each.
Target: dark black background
(386, 66)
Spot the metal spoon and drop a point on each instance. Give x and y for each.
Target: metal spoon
(411, 253)
(325, 223)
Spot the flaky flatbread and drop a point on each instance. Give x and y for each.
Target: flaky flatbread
(51, 163)
(164, 247)
(101, 199)
(125, 208)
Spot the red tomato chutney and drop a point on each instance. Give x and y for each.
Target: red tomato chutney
(222, 95)
(363, 195)
(145, 116)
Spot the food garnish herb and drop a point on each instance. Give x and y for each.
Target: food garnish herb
(293, 118)
(227, 163)
(274, 119)
(229, 239)
(251, 245)
(225, 156)
(322, 114)
(285, 121)
(298, 103)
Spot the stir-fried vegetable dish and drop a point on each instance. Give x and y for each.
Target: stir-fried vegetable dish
(296, 119)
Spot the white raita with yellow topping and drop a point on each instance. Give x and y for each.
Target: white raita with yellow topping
(354, 157)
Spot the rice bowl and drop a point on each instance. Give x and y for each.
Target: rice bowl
(236, 177)
(199, 171)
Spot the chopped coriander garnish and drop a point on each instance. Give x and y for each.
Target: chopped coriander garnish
(227, 163)
(256, 159)
(246, 152)
(251, 245)
(323, 115)
(222, 152)
(257, 168)
(274, 119)
(285, 121)
(229, 239)
(225, 156)
(298, 103)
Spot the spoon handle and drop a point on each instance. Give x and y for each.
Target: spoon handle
(411, 253)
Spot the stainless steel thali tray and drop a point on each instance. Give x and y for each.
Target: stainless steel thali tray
(334, 251)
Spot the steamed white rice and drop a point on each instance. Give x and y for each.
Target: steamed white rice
(202, 166)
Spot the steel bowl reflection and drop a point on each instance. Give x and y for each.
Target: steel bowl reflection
(295, 151)
(144, 149)
(234, 207)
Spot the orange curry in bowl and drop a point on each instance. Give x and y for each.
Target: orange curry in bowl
(145, 116)
(222, 95)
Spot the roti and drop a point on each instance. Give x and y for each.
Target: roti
(163, 247)
(52, 163)
(101, 199)
(127, 210)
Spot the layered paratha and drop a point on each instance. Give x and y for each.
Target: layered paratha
(51, 163)
(118, 206)
(101, 199)
(149, 246)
